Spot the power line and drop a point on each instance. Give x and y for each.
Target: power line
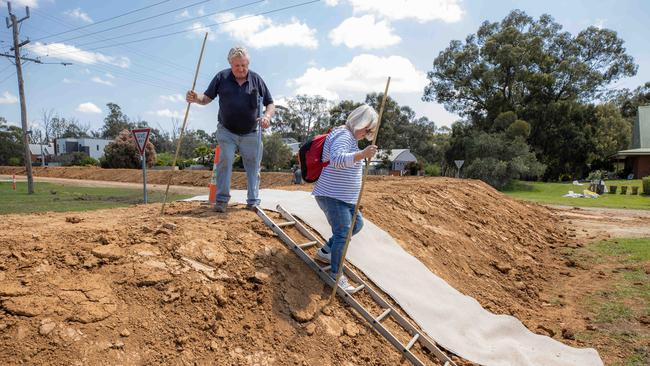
(135, 79)
(38, 61)
(117, 69)
(3, 70)
(10, 75)
(204, 27)
(105, 20)
(131, 49)
(138, 21)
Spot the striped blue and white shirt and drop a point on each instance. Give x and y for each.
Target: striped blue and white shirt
(341, 179)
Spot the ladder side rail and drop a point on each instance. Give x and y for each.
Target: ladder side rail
(347, 297)
(294, 247)
(380, 328)
(301, 228)
(405, 323)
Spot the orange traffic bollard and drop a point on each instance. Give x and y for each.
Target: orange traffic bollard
(212, 186)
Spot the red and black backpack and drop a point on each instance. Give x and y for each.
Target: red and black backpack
(311, 158)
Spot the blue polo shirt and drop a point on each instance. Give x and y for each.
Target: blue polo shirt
(237, 105)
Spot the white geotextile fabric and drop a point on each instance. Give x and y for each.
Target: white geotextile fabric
(455, 321)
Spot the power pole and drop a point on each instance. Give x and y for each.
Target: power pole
(21, 91)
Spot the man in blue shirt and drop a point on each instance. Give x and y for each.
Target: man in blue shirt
(238, 89)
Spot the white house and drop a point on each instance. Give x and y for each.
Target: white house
(41, 153)
(399, 158)
(93, 147)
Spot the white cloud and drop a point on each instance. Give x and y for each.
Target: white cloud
(71, 53)
(280, 100)
(600, 23)
(8, 98)
(109, 75)
(198, 31)
(88, 108)
(78, 14)
(168, 113)
(200, 12)
(183, 15)
(364, 32)
(364, 74)
(99, 80)
(68, 81)
(174, 98)
(421, 10)
(261, 32)
(331, 2)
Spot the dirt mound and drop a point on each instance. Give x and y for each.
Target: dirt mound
(123, 286)
(223, 289)
(197, 178)
(505, 253)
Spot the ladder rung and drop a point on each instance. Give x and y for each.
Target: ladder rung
(361, 287)
(383, 315)
(326, 268)
(387, 309)
(308, 244)
(412, 342)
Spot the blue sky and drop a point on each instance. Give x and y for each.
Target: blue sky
(341, 49)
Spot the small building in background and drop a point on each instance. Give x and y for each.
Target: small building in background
(293, 144)
(91, 146)
(637, 159)
(41, 154)
(397, 158)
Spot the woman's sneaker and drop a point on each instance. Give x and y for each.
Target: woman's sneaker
(345, 284)
(322, 256)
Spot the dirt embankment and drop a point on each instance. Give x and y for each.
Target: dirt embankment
(196, 178)
(505, 253)
(123, 286)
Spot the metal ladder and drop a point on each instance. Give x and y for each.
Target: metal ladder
(374, 321)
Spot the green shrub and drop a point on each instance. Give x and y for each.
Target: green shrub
(15, 161)
(595, 175)
(432, 170)
(164, 159)
(646, 186)
(123, 153)
(519, 128)
(77, 158)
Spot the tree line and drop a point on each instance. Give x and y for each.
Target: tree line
(534, 99)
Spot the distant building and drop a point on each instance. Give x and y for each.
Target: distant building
(93, 147)
(41, 154)
(293, 144)
(398, 159)
(637, 159)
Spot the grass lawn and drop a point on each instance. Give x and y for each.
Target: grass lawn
(551, 193)
(619, 305)
(58, 197)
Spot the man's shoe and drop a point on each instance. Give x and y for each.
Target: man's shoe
(220, 206)
(323, 257)
(251, 207)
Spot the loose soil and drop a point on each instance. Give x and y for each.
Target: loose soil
(125, 286)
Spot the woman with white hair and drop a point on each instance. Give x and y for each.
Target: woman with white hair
(338, 186)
